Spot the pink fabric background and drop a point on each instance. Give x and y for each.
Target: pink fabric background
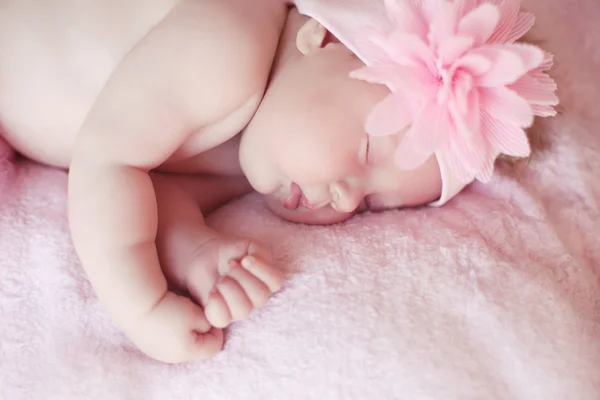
(494, 296)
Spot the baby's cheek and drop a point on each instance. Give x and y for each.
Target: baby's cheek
(259, 167)
(314, 160)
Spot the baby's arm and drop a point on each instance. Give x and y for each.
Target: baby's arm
(207, 265)
(144, 114)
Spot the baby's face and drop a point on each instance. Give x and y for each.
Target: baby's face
(307, 150)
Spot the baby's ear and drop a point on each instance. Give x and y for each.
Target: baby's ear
(311, 37)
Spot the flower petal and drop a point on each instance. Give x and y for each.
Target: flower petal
(522, 25)
(473, 153)
(468, 142)
(393, 7)
(534, 91)
(465, 116)
(485, 174)
(509, 10)
(506, 105)
(458, 77)
(431, 8)
(456, 165)
(409, 49)
(473, 64)
(532, 56)
(422, 138)
(548, 61)
(544, 79)
(419, 82)
(466, 6)
(494, 2)
(463, 89)
(505, 138)
(480, 23)
(390, 116)
(543, 111)
(506, 68)
(444, 24)
(452, 48)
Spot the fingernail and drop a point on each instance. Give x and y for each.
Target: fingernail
(248, 262)
(225, 268)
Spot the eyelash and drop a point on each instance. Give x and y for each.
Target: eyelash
(367, 156)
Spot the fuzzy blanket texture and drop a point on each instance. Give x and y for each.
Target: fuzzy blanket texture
(494, 296)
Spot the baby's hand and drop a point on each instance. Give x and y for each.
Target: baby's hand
(228, 277)
(174, 331)
(231, 278)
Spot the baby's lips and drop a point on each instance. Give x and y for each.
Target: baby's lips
(304, 202)
(322, 216)
(293, 199)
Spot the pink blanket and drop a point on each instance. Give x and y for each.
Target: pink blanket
(494, 296)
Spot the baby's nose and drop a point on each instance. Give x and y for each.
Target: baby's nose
(345, 198)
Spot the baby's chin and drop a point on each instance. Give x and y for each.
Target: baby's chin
(301, 215)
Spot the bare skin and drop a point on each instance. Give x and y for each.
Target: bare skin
(146, 115)
(121, 219)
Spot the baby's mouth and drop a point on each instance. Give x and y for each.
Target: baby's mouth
(304, 202)
(294, 198)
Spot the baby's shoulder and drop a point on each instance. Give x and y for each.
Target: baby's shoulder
(234, 35)
(228, 46)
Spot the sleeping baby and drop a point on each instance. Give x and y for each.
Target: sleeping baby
(163, 110)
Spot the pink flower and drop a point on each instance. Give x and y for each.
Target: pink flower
(462, 88)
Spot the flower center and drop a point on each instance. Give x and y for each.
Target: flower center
(446, 80)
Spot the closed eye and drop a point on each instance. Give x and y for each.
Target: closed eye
(365, 151)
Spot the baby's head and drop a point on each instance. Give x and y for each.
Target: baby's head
(308, 149)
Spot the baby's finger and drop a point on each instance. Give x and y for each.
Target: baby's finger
(207, 344)
(217, 310)
(177, 330)
(260, 251)
(269, 275)
(199, 320)
(238, 302)
(255, 289)
(180, 309)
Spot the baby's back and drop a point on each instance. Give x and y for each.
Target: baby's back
(56, 57)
